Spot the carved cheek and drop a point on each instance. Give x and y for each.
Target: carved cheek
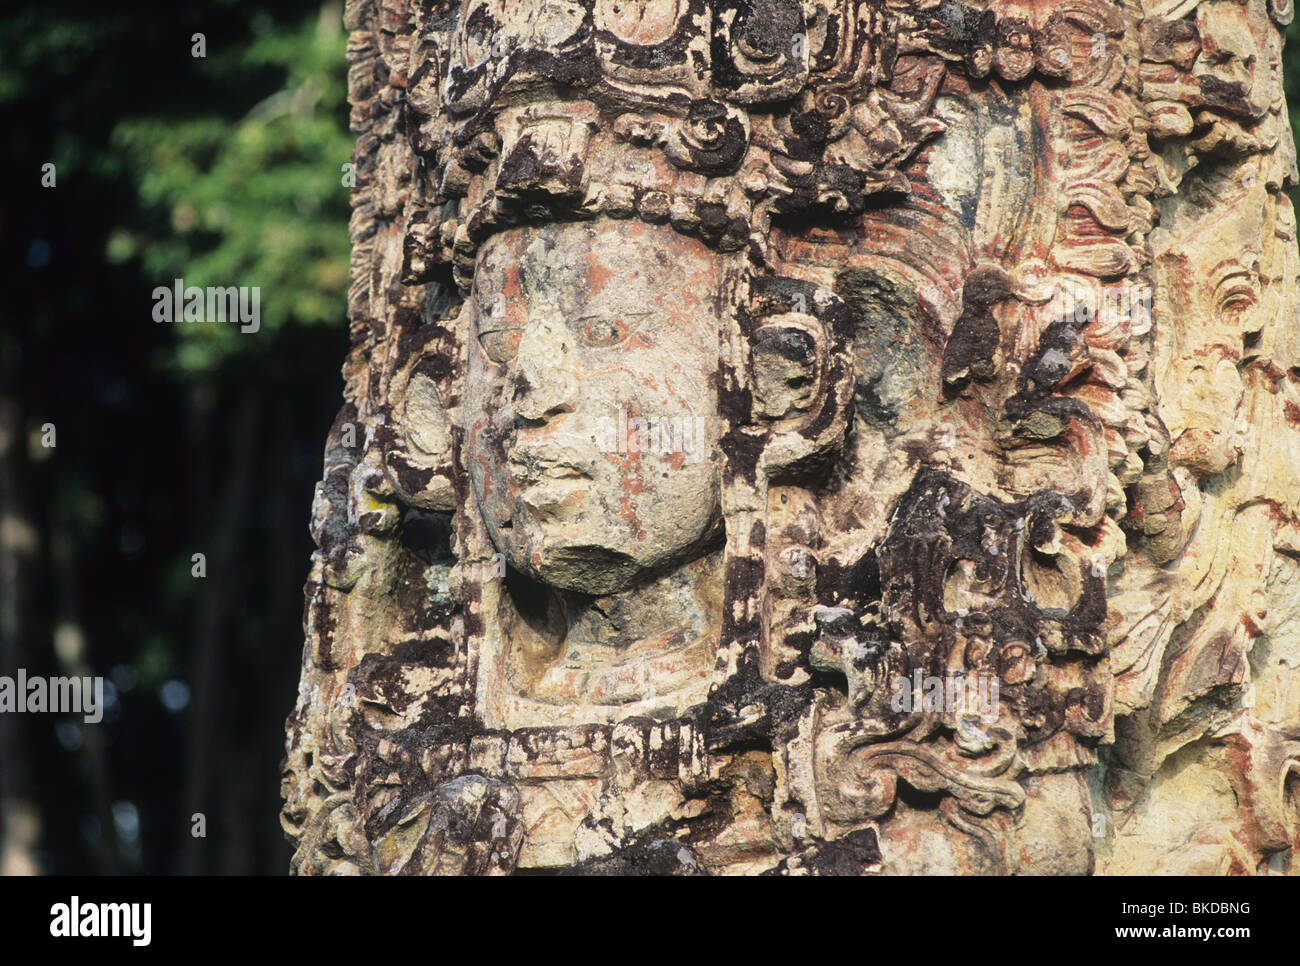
(486, 433)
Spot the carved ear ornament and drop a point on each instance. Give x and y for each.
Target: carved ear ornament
(801, 372)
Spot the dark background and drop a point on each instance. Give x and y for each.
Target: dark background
(171, 439)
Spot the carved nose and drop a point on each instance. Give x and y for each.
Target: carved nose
(373, 502)
(546, 383)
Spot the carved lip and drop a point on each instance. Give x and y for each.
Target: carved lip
(533, 464)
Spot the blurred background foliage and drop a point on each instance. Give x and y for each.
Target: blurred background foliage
(171, 439)
(251, 199)
(1291, 75)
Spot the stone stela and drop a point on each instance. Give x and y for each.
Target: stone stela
(717, 364)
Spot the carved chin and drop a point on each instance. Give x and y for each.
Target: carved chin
(584, 569)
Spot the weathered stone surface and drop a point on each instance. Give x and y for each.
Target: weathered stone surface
(811, 437)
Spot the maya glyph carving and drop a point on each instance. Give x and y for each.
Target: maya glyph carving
(738, 387)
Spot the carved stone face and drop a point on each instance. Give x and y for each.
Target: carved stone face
(591, 410)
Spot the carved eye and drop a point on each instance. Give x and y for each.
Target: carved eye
(1235, 299)
(601, 333)
(476, 47)
(477, 36)
(500, 345)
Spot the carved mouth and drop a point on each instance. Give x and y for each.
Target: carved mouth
(531, 466)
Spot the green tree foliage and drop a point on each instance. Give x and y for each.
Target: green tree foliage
(254, 202)
(223, 170)
(1291, 80)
